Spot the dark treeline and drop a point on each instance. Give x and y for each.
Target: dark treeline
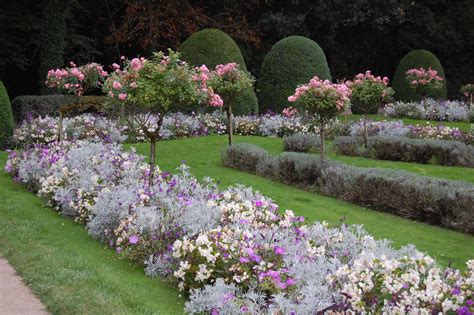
(355, 35)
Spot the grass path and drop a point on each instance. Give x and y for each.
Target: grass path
(71, 272)
(203, 155)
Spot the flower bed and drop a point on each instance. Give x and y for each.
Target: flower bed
(231, 249)
(436, 201)
(430, 109)
(390, 128)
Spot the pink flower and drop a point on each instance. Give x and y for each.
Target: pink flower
(122, 96)
(133, 85)
(216, 100)
(116, 85)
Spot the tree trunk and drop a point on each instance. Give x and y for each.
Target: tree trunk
(60, 127)
(152, 160)
(322, 145)
(154, 136)
(366, 132)
(230, 127)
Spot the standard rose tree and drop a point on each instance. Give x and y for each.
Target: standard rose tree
(424, 81)
(324, 100)
(155, 86)
(368, 93)
(468, 91)
(223, 85)
(75, 80)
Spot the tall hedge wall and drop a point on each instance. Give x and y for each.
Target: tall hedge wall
(416, 59)
(292, 61)
(212, 47)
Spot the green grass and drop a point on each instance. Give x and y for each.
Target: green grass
(464, 126)
(71, 272)
(203, 155)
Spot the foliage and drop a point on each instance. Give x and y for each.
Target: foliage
(368, 93)
(442, 152)
(436, 201)
(292, 61)
(300, 143)
(6, 117)
(212, 47)
(48, 105)
(425, 82)
(467, 90)
(76, 80)
(417, 59)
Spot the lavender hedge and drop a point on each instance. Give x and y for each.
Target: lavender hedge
(436, 201)
(442, 152)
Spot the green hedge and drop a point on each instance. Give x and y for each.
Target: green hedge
(212, 47)
(6, 117)
(292, 61)
(416, 59)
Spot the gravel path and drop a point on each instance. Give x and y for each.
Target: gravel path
(15, 297)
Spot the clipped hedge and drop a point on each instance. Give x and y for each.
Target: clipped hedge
(301, 142)
(416, 59)
(428, 199)
(212, 47)
(292, 61)
(442, 152)
(6, 117)
(48, 105)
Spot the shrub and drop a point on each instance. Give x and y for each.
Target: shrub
(368, 93)
(436, 201)
(244, 156)
(404, 149)
(292, 61)
(417, 59)
(300, 142)
(6, 117)
(212, 47)
(48, 105)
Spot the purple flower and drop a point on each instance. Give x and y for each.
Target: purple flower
(279, 250)
(118, 250)
(133, 239)
(456, 291)
(244, 260)
(258, 203)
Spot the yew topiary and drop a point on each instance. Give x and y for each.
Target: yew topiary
(417, 59)
(212, 47)
(292, 61)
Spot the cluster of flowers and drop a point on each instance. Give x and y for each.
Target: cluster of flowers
(431, 109)
(122, 80)
(44, 130)
(423, 77)
(232, 251)
(76, 80)
(399, 129)
(322, 91)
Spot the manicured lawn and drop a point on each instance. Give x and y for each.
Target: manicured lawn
(71, 272)
(203, 155)
(464, 126)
